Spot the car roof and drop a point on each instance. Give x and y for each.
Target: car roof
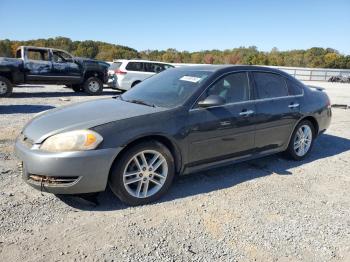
(228, 68)
(41, 48)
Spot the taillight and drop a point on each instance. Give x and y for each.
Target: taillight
(119, 72)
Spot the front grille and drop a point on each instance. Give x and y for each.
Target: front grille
(53, 179)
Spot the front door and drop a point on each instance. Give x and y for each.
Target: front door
(227, 131)
(65, 70)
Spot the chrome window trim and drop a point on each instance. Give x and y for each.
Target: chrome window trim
(249, 82)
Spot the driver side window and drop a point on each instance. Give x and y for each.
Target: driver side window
(233, 88)
(61, 57)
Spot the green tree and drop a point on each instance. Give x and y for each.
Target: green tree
(313, 57)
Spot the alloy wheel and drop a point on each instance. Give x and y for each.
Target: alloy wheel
(145, 173)
(302, 140)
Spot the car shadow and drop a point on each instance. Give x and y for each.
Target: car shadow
(219, 178)
(23, 109)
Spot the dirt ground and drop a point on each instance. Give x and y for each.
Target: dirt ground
(270, 209)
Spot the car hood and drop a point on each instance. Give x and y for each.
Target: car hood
(83, 116)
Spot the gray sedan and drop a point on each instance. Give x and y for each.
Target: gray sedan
(177, 122)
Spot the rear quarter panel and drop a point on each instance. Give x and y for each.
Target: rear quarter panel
(317, 104)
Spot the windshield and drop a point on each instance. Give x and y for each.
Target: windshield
(170, 88)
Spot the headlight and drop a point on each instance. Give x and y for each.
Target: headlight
(78, 140)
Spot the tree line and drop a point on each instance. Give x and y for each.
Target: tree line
(313, 57)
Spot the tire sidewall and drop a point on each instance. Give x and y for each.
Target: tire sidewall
(116, 176)
(86, 86)
(291, 150)
(8, 87)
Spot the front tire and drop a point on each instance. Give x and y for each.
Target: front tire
(143, 173)
(302, 140)
(77, 88)
(93, 86)
(5, 87)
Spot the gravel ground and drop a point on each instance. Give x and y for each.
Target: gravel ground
(269, 209)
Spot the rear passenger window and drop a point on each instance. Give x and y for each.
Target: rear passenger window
(153, 67)
(37, 54)
(270, 85)
(294, 88)
(135, 66)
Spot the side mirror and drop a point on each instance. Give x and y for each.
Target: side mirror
(212, 100)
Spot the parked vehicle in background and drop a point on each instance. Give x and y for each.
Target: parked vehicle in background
(180, 121)
(40, 65)
(339, 78)
(124, 74)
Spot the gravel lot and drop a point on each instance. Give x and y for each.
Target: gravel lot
(269, 209)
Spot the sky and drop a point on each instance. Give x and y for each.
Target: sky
(191, 25)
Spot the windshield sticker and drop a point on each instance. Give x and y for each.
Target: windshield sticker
(192, 79)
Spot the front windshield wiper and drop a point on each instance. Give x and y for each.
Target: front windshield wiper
(137, 101)
(140, 102)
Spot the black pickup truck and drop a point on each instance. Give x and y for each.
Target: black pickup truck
(38, 65)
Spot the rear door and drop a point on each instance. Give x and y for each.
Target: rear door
(277, 111)
(227, 131)
(135, 72)
(37, 65)
(152, 68)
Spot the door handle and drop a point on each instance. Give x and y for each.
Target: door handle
(246, 113)
(293, 105)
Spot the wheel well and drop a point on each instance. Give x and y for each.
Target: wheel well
(7, 75)
(99, 75)
(314, 123)
(161, 139)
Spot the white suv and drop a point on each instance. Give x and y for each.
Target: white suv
(124, 74)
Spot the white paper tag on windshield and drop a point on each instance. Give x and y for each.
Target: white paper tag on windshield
(192, 79)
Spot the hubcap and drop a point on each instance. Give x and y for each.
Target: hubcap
(94, 86)
(3, 87)
(302, 140)
(145, 173)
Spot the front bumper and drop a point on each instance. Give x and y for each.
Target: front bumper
(82, 172)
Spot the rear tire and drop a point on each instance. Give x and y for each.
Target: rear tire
(302, 141)
(152, 174)
(93, 86)
(5, 87)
